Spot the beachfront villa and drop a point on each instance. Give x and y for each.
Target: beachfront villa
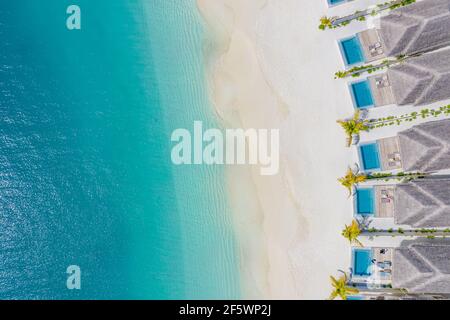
(419, 27)
(424, 148)
(417, 81)
(417, 266)
(420, 267)
(421, 203)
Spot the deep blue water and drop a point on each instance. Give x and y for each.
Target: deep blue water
(85, 170)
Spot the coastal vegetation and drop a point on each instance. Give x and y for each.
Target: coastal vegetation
(344, 287)
(341, 289)
(401, 176)
(356, 230)
(354, 126)
(352, 232)
(337, 22)
(371, 68)
(408, 117)
(351, 179)
(326, 23)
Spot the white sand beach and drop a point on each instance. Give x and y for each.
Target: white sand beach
(273, 68)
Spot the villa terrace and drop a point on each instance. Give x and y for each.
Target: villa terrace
(417, 81)
(424, 148)
(381, 90)
(371, 45)
(421, 203)
(420, 27)
(418, 266)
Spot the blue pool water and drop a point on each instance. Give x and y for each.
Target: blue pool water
(334, 2)
(352, 51)
(355, 298)
(365, 201)
(85, 171)
(362, 94)
(370, 156)
(362, 262)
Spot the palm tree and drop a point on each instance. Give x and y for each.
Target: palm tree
(326, 22)
(352, 233)
(341, 289)
(353, 126)
(351, 179)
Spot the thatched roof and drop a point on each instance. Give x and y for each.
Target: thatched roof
(422, 80)
(422, 266)
(418, 27)
(423, 203)
(426, 147)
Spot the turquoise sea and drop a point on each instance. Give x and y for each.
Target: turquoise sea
(85, 171)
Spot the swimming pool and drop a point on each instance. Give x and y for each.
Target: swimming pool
(335, 2)
(362, 262)
(365, 201)
(362, 94)
(351, 50)
(370, 157)
(355, 298)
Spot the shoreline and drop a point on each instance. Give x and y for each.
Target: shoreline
(255, 200)
(286, 251)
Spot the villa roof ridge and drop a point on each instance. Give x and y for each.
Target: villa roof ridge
(425, 221)
(426, 147)
(406, 82)
(416, 27)
(419, 80)
(426, 254)
(427, 152)
(435, 159)
(410, 208)
(423, 203)
(406, 258)
(398, 37)
(418, 32)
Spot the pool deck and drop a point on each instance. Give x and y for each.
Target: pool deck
(386, 256)
(381, 90)
(380, 266)
(384, 201)
(390, 157)
(384, 270)
(371, 45)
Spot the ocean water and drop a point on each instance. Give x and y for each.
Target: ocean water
(85, 171)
